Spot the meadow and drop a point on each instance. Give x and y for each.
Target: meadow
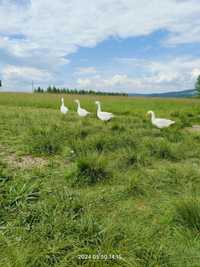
(81, 192)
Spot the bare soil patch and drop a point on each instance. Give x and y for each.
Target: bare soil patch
(194, 129)
(22, 162)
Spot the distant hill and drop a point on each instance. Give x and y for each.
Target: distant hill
(185, 93)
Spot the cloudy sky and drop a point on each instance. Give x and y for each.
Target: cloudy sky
(111, 45)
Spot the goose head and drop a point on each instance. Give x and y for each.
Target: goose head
(77, 101)
(151, 113)
(98, 105)
(62, 100)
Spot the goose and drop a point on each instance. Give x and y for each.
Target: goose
(63, 108)
(81, 112)
(104, 116)
(158, 122)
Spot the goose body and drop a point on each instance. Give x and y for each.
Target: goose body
(81, 111)
(159, 122)
(104, 116)
(63, 108)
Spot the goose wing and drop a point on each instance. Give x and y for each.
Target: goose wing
(162, 123)
(83, 112)
(64, 109)
(106, 115)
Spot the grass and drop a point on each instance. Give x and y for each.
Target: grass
(72, 189)
(188, 213)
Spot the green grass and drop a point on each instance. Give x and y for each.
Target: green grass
(71, 186)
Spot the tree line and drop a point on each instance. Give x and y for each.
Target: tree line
(56, 90)
(197, 86)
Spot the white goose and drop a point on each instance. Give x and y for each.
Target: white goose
(104, 116)
(158, 122)
(81, 112)
(63, 108)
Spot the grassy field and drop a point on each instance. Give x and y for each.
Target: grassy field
(73, 190)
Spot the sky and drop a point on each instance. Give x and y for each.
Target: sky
(117, 45)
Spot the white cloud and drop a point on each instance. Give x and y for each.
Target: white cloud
(63, 26)
(195, 73)
(166, 75)
(52, 31)
(84, 83)
(15, 77)
(25, 73)
(121, 80)
(86, 71)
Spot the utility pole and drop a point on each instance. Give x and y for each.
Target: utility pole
(32, 86)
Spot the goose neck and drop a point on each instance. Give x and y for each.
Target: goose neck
(99, 107)
(78, 103)
(153, 116)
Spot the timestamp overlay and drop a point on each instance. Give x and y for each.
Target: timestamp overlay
(99, 257)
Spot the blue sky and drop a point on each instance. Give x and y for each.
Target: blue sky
(118, 45)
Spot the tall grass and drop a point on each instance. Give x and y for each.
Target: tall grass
(188, 213)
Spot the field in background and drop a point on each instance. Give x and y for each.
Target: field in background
(72, 186)
(117, 104)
